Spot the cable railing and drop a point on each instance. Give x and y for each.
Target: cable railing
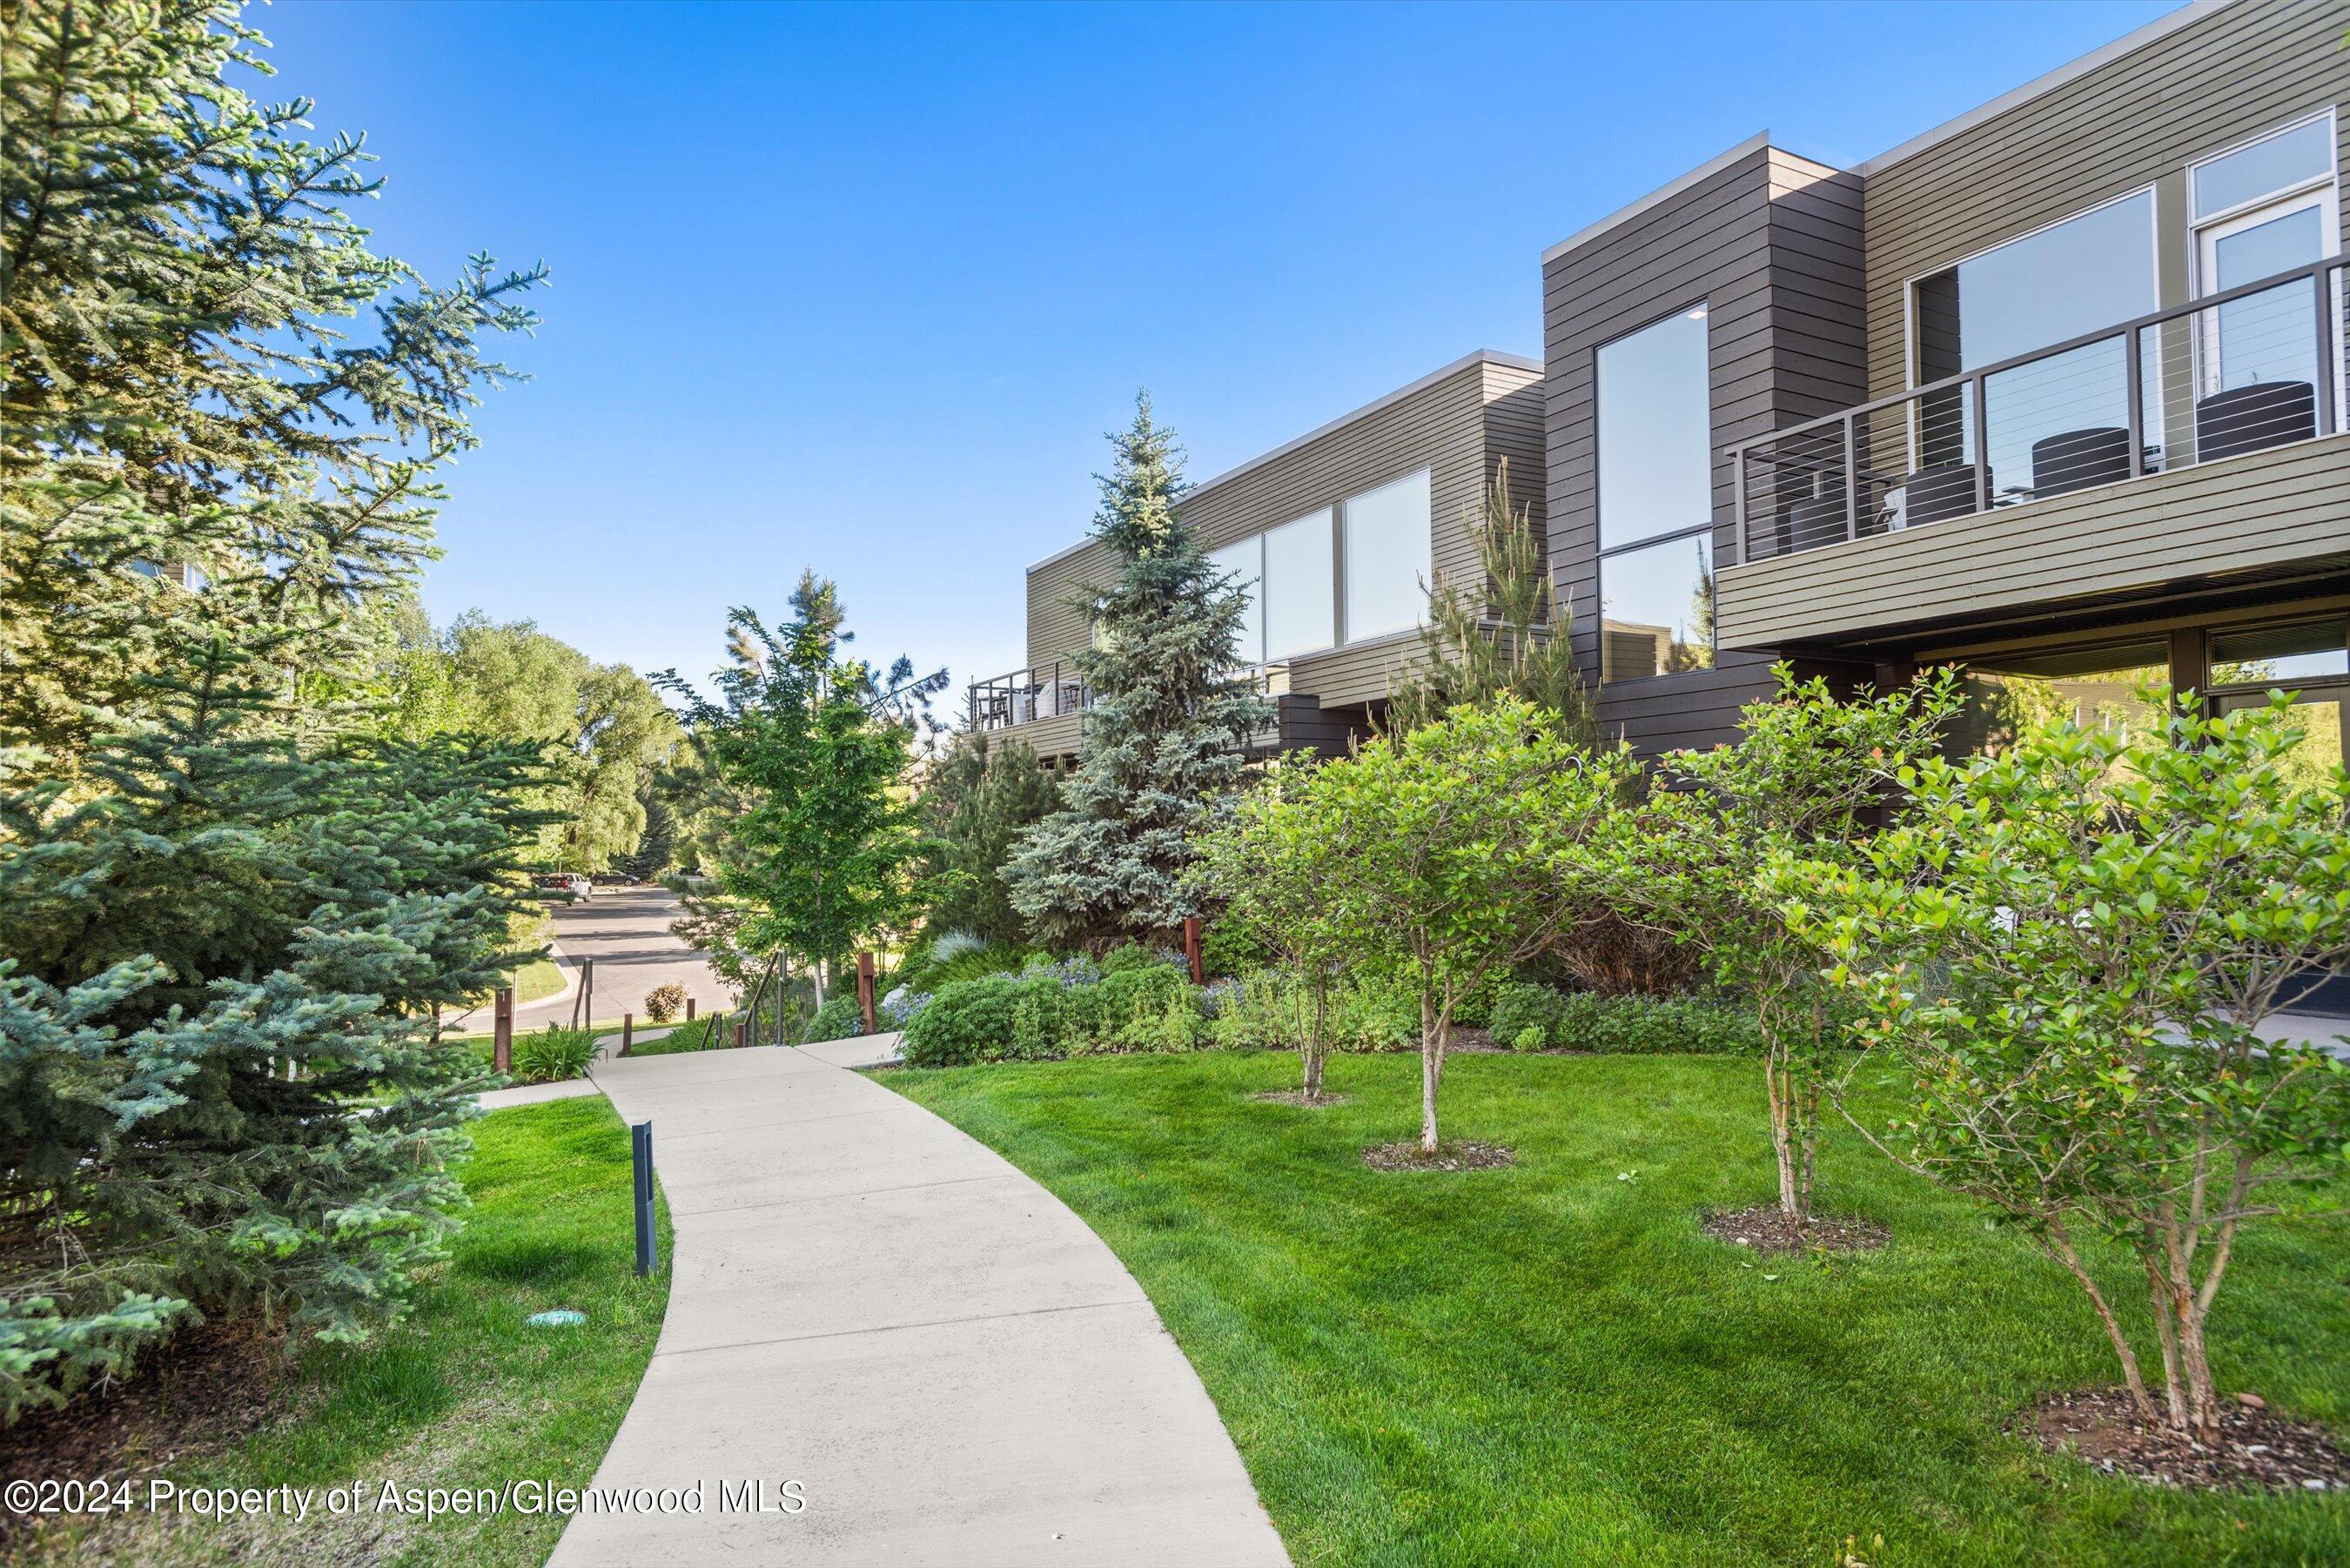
(1054, 688)
(1038, 692)
(2238, 371)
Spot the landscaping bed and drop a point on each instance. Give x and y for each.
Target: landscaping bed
(1555, 1363)
(463, 1394)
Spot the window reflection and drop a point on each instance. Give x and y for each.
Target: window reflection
(1656, 609)
(1244, 564)
(2100, 688)
(1300, 598)
(1655, 412)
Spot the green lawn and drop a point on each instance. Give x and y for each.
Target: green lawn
(538, 978)
(1551, 1364)
(463, 1394)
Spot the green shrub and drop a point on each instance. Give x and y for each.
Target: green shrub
(954, 963)
(1056, 1010)
(838, 1018)
(551, 1054)
(1537, 1018)
(1134, 956)
(665, 1002)
(990, 1019)
(1230, 950)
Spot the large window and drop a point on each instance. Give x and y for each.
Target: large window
(2095, 269)
(1656, 429)
(2101, 687)
(1300, 595)
(2310, 659)
(1654, 404)
(1388, 563)
(1245, 563)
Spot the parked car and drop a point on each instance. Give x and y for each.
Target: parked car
(567, 882)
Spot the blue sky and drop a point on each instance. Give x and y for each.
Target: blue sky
(861, 288)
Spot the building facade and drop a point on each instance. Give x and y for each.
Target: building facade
(2054, 392)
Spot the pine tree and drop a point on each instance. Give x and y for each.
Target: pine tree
(219, 942)
(1508, 640)
(975, 806)
(191, 436)
(1164, 744)
(816, 747)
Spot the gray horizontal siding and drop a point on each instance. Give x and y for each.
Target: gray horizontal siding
(2271, 511)
(1048, 738)
(2134, 122)
(1771, 243)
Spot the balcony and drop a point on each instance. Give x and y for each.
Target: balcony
(1044, 701)
(2093, 466)
(1048, 691)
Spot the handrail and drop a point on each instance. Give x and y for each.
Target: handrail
(1971, 383)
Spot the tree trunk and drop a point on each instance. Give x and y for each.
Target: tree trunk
(2194, 1358)
(1431, 1067)
(2061, 1246)
(1783, 1142)
(1313, 1047)
(2166, 1328)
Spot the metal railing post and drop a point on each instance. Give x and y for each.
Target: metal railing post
(1738, 504)
(1852, 476)
(2322, 285)
(2134, 389)
(1982, 445)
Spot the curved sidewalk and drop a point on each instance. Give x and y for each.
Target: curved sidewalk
(869, 1303)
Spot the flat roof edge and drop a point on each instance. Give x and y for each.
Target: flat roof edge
(1661, 195)
(2160, 27)
(1477, 357)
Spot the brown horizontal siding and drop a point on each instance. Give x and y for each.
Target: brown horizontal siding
(2131, 122)
(1458, 428)
(1057, 627)
(2268, 511)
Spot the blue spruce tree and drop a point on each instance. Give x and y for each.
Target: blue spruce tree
(1172, 712)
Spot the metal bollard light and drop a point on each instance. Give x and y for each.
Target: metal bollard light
(641, 1150)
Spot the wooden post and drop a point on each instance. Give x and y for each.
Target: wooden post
(742, 1032)
(588, 990)
(689, 1009)
(1191, 949)
(627, 1031)
(501, 1030)
(865, 990)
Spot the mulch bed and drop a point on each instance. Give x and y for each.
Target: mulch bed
(1464, 1041)
(1299, 1097)
(213, 1384)
(1769, 1231)
(2257, 1449)
(1448, 1156)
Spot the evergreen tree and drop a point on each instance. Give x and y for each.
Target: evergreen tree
(816, 745)
(1508, 640)
(193, 440)
(219, 940)
(1163, 743)
(976, 805)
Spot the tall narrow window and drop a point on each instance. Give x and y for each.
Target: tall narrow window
(1654, 405)
(2259, 210)
(1387, 561)
(1300, 597)
(1656, 459)
(1245, 563)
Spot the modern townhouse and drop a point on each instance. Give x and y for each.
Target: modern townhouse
(1334, 535)
(2054, 390)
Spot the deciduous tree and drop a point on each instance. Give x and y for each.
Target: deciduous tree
(2068, 948)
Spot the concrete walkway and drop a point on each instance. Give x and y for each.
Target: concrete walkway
(954, 1369)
